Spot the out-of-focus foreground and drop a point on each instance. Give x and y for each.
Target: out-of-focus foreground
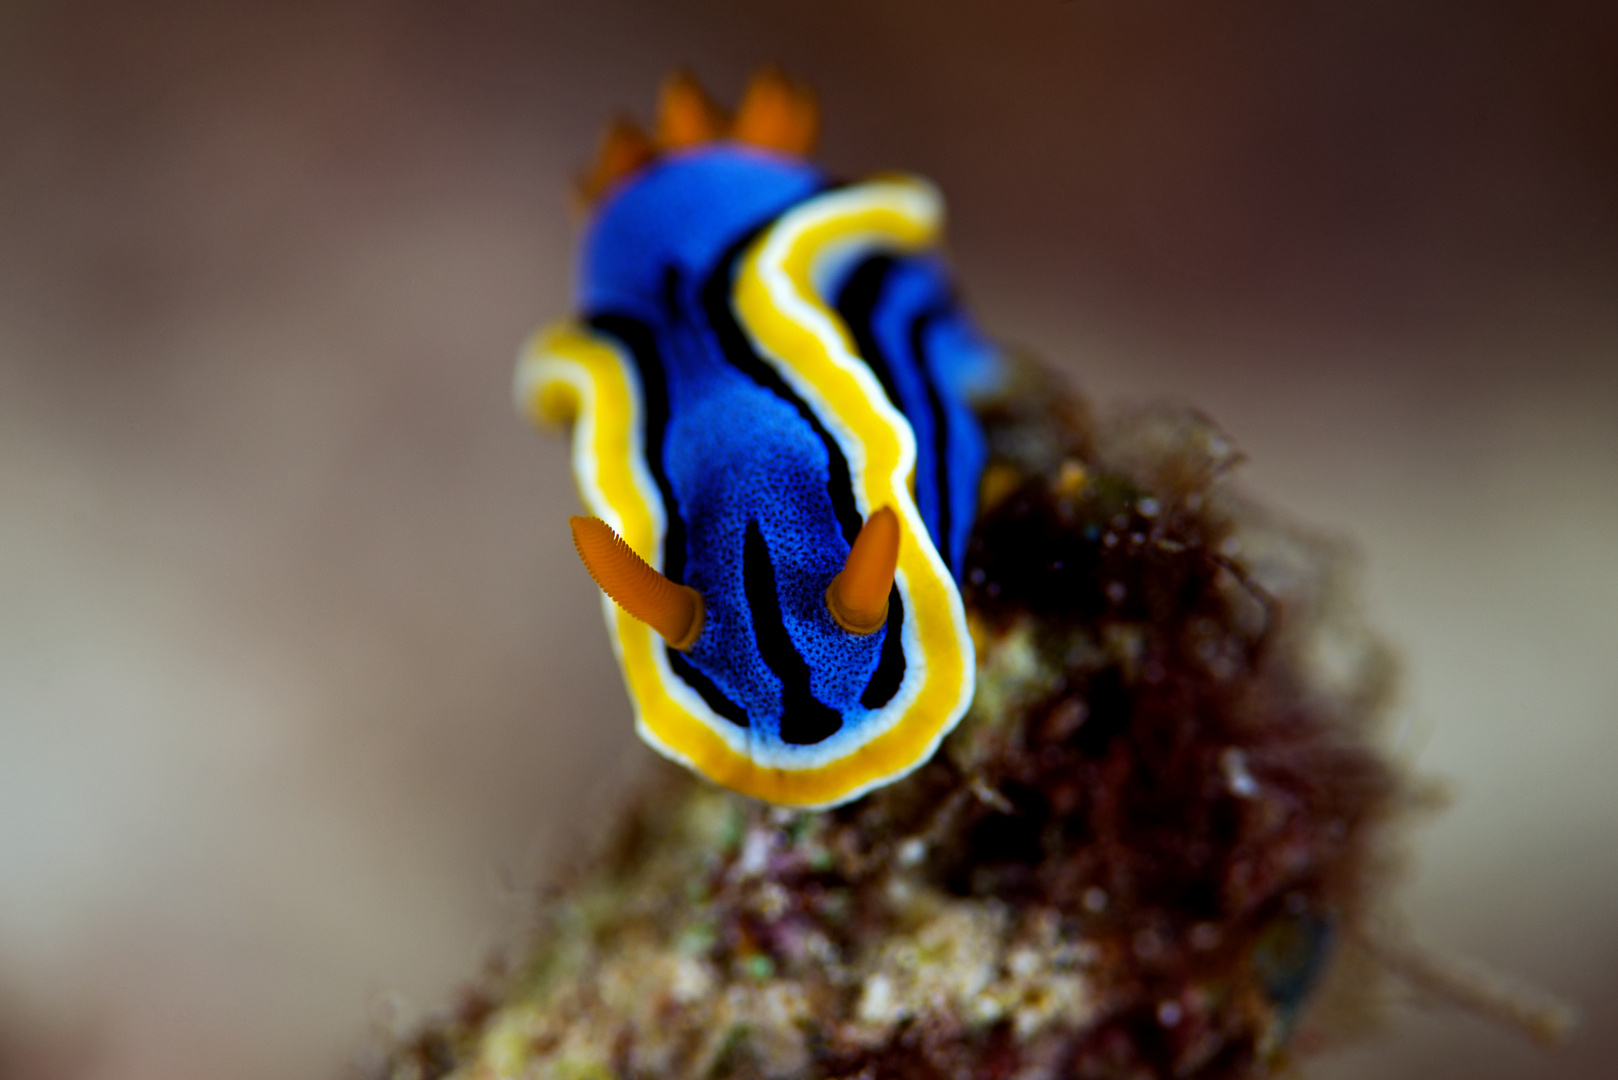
(300, 682)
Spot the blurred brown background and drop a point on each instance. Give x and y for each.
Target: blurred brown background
(298, 676)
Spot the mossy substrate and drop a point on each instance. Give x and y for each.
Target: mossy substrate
(1141, 854)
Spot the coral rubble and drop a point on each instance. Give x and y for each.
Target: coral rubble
(1137, 856)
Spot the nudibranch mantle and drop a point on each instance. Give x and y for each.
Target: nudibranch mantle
(764, 361)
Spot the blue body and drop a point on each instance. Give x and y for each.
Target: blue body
(759, 508)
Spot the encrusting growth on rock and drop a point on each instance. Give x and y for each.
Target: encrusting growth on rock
(1142, 853)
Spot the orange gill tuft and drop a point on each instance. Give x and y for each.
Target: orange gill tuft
(686, 115)
(625, 149)
(777, 113)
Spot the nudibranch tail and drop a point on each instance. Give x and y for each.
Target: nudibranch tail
(674, 611)
(858, 596)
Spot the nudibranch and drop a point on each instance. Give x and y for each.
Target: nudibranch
(770, 387)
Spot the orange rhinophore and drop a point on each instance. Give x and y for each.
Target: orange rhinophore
(777, 114)
(858, 596)
(674, 611)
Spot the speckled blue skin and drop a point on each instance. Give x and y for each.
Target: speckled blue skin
(759, 508)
